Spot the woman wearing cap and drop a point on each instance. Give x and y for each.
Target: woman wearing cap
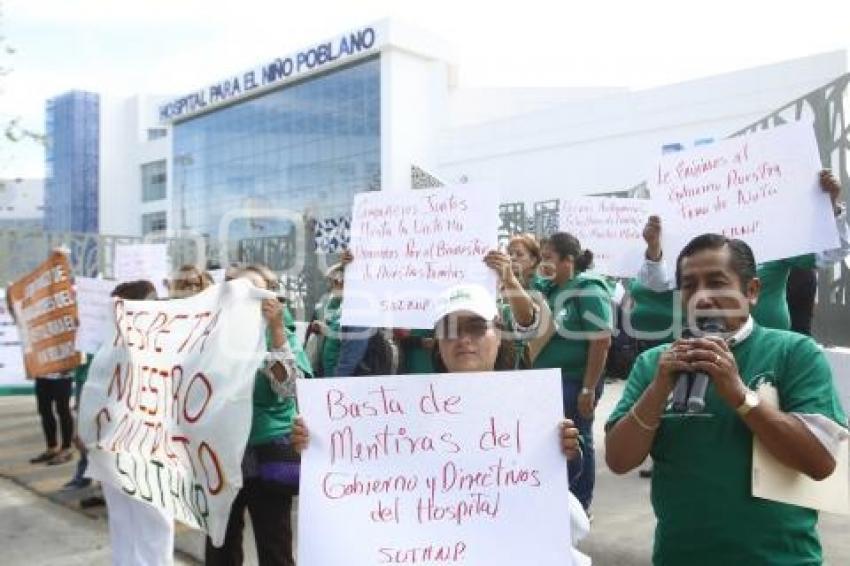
(467, 330)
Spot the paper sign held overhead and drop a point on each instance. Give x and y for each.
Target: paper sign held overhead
(762, 188)
(434, 469)
(612, 228)
(410, 246)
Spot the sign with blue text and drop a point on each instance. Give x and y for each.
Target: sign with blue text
(364, 41)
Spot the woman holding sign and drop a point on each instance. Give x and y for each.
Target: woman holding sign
(270, 467)
(581, 305)
(467, 329)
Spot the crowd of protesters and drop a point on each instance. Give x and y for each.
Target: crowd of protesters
(553, 311)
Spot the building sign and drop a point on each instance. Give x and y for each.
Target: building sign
(346, 46)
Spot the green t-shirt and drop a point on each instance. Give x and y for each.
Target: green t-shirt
(652, 312)
(273, 415)
(771, 310)
(416, 358)
(702, 463)
(589, 311)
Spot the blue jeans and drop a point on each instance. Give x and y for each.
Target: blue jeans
(582, 470)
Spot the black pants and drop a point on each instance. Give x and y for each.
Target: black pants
(271, 518)
(802, 290)
(50, 392)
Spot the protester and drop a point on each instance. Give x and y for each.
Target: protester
(270, 466)
(342, 349)
(187, 281)
(468, 339)
(771, 310)
(525, 254)
(581, 307)
(53, 391)
(79, 479)
(138, 533)
(702, 477)
(524, 251)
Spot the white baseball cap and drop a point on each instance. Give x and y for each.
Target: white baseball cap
(465, 298)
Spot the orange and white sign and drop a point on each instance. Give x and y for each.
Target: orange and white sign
(45, 311)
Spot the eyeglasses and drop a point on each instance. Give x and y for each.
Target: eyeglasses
(185, 284)
(450, 328)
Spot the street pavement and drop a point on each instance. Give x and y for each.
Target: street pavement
(34, 508)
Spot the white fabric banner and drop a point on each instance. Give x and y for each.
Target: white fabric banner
(612, 228)
(433, 469)
(94, 309)
(409, 246)
(762, 188)
(166, 409)
(12, 371)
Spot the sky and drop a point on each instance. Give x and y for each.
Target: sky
(162, 47)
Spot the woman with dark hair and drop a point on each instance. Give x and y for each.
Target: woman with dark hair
(581, 308)
(468, 339)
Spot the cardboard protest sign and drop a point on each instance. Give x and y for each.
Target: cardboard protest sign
(434, 468)
(12, 372)
(612, 228)
(143, 261)
(95, 312)
(46, 315)
(411, 246)
(166, 409)
(762, 188)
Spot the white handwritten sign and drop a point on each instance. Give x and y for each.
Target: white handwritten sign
(143, 261)
(612, 228)
(762, 188)
(12, 372)
(409, 247)
(94, 309)
(166, 409)
(433, 469)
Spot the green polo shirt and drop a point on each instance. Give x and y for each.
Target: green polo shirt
(582, 304)
(701, 478)
(652, 312)
(771, 310)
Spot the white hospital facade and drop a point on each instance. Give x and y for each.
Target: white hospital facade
(379, 107)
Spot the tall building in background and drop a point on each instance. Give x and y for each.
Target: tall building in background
(71, 183)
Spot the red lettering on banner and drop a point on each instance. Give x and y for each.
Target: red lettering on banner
(204, 448)
(209, 391)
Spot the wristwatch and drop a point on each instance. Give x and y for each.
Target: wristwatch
(586, 391)
(751, 401)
